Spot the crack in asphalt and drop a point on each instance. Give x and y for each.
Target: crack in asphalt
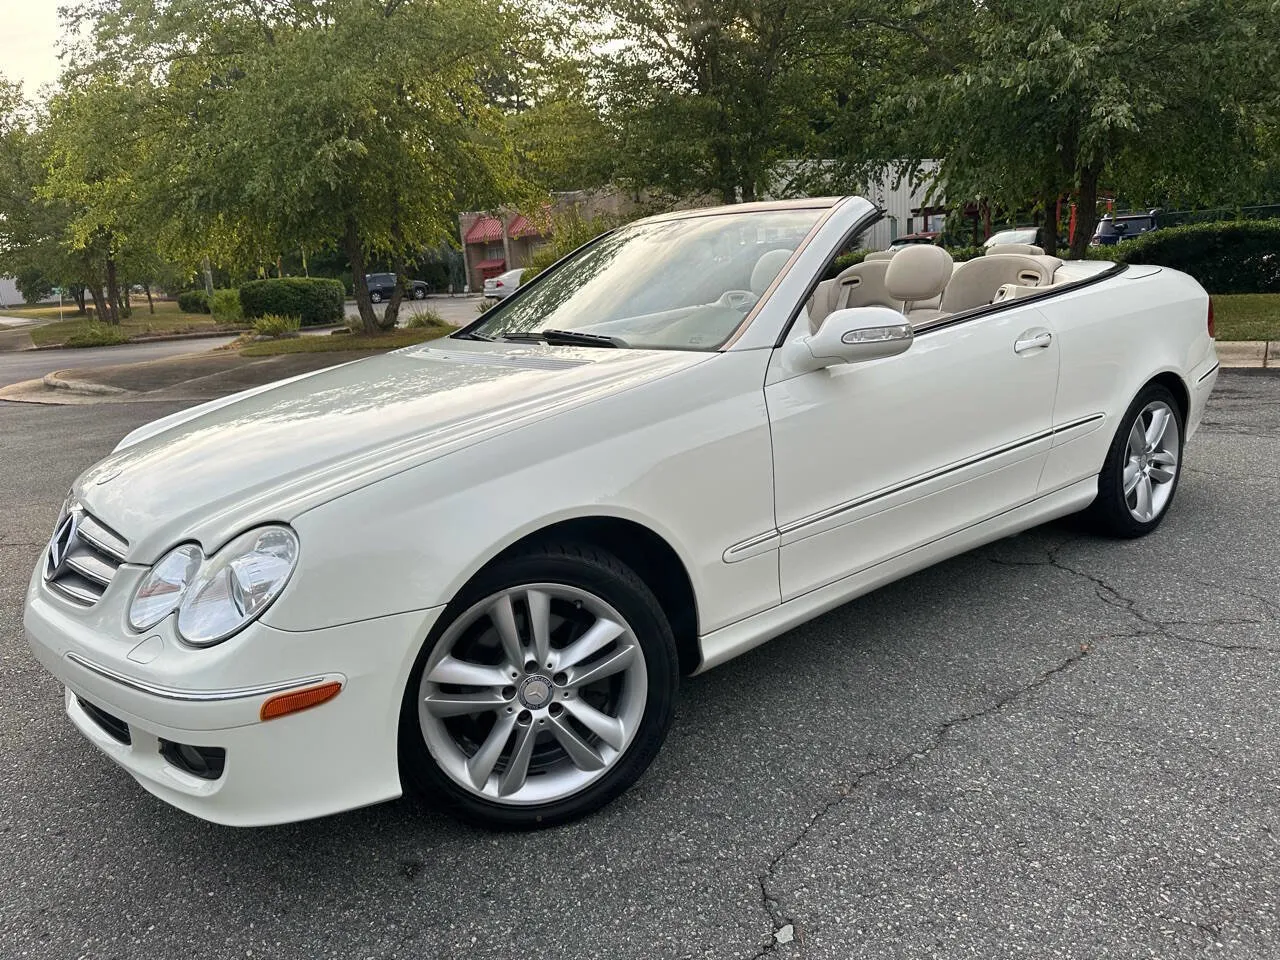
(772, 906)
(1106, 593)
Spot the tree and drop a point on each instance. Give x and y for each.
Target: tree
(1023, 101)
(276, 135)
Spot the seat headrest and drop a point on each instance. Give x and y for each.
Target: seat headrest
(879, 255)
(766, 268)
(1028, 248)
(919, 272)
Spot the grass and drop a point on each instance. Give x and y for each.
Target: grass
(167, 319)
(322, 343)
(1247, 316)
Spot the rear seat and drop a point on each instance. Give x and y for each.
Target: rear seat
(977, 281)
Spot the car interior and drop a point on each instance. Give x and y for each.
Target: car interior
(925, 284)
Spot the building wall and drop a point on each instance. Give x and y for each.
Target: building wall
(9, 295)
(897, 200)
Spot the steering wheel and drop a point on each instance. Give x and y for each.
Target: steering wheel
(737, 300)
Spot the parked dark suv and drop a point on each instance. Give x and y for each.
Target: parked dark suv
(383, 285)
(1125, 226)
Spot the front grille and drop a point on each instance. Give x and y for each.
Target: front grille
(83, 557)
(114, 726)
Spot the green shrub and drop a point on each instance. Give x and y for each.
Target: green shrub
(485, 305)
(193, 301)
(426, 318)
(97, 335)
(225, 306)
(569, 231)
(961, 254)
(312, 300)
(1235, 256)
(275, 325)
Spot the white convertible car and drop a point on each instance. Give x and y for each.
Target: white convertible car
(478, 568)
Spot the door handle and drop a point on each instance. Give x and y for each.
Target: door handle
(1032, 340)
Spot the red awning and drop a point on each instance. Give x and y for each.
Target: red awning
(484, 230)
(522, 226)
(491, 264)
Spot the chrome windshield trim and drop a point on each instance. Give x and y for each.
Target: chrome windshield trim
(196, 696)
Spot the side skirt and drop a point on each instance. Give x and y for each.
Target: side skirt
(737, 638)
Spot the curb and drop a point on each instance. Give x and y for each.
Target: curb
(162, 338)
(83, 387)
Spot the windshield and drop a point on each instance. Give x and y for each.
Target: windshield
(681, 284)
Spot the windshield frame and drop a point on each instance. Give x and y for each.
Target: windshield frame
(826, 205)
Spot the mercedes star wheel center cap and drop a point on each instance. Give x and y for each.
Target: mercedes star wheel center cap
(535, 692)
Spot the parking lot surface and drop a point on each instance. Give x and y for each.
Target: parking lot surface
(1055, 746)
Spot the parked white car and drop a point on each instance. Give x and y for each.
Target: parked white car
(479, 567)
(503, 285)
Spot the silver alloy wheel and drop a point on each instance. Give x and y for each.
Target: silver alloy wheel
(1152, 461)
(533, 694)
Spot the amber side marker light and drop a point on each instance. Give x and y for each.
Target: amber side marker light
(286, 703)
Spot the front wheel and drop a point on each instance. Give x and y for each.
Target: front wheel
(544, 691)
(375, 296)
(1141, 472)
(419, 293)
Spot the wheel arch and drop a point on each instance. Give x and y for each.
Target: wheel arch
(1173, 382)
(653, 559)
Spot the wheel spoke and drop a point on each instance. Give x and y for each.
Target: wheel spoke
(600, 635)
(1137, 439)
(1160, 417)
(443, 704)
(517, 771)
(540, 622)
(607, 667)
(466, 674)
(607, 728)
(1162, 474)
(1163, 458)
(578, 750)
(503, 615)
(1143, 507)
(1131, 477)
(481, 765)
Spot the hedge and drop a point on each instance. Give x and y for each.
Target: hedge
(1234, 256)
(193, 301)
(314, 300)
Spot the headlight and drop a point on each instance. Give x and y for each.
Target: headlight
(161, 590)
(237, 584)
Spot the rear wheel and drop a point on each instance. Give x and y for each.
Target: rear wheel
(1143, 466)
(419, 293)
(544, 691)
(375, 296)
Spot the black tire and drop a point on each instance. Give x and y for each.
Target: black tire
(1109, 514)
(587, 568)
(375, 296)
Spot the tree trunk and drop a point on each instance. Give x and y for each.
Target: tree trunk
(113, 291)
(391, 316)
(351, 245)
(78, 293)
(1049, 228)
(99, 304)
(151, 307)
(1086, 210)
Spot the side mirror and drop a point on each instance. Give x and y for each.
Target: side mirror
(853, 335)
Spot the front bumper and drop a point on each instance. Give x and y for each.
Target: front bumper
(332, 757)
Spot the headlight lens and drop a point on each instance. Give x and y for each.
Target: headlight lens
(161, 590)
(237, 584)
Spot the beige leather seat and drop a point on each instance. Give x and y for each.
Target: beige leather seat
(861, 285)
(1002, 248)
(918, 274)
(767, 267)
(879, 255)
(976, 281)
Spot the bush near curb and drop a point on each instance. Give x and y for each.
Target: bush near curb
(1234, 256)
(313, 300)
(193, 301)
(97, 335)
(225, 306)
(275, 325)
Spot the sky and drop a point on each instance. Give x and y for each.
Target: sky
(28, 35)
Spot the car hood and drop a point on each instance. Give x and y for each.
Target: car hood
(269, 454)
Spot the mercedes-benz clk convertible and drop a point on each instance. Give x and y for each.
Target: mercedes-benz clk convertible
(478, 568)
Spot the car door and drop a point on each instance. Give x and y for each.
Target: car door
(874, 459)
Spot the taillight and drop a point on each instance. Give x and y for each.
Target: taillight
(498, 283)
(1213, 333)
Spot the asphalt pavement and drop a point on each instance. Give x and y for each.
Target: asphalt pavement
(23, 365)
(1055, 746)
